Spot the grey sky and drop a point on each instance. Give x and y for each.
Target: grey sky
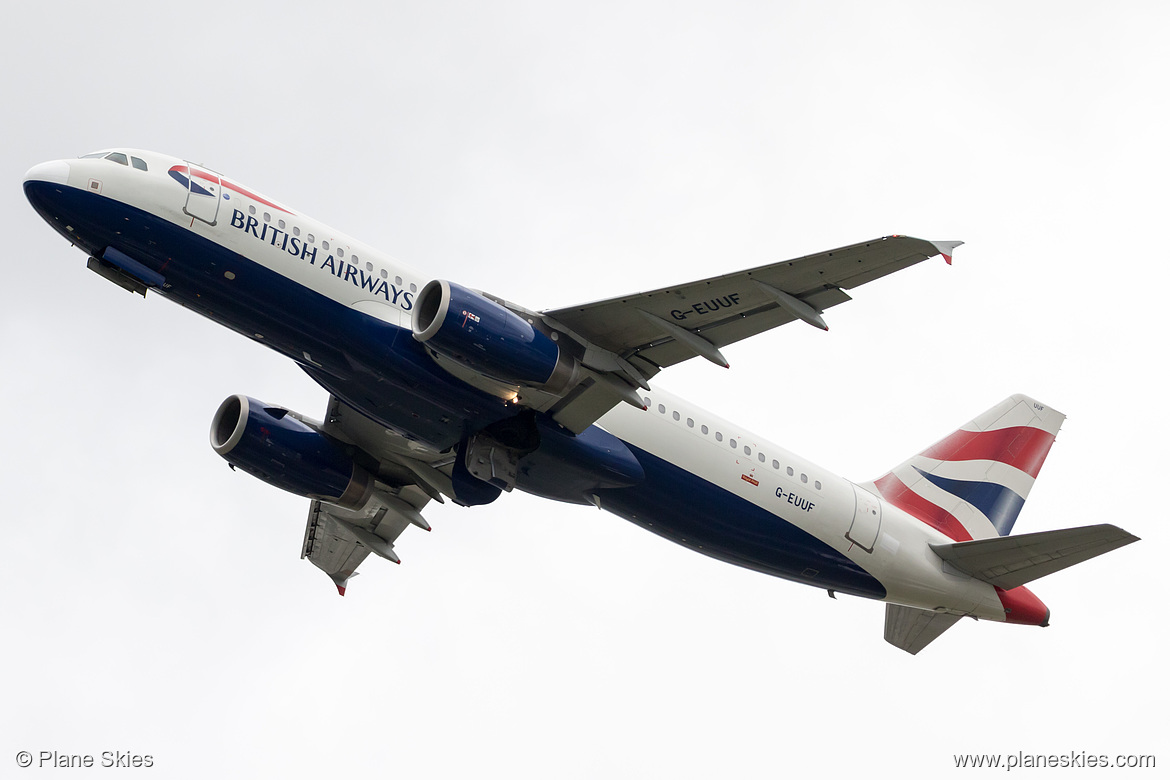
(155, 601)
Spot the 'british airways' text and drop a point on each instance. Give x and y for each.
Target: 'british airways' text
(297, 247)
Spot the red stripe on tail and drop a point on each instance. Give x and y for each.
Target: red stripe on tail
(1024, 448)
(895, 491)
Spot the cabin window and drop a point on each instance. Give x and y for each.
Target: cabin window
(791, 473)
(138, 163)
(817, 484)
(280, 224)
(384, 274)
(690, 422)
(118, 157)
(340, 252)
(746, 449)
(732, 443)
(761, 457)
(661, 409)
(413, 288)
(252, 210)
(369, 266)
(325, 245)
(267, 217)
(776, 465)
(705, 429)
(804, 478)
(312, 240)
(676, 416)
(718, 436)
(296, 230)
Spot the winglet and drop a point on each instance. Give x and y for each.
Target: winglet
(340, 582)
(946, 248)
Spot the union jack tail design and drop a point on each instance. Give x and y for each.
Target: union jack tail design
(973, 483)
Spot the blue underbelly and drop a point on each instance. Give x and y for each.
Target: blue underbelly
(677, 505)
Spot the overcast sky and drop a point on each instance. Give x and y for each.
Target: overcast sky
(155, 601)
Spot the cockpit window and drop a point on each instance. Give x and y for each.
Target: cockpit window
(118, 157)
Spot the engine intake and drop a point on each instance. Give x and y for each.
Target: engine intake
(272, 445)
(488, 338)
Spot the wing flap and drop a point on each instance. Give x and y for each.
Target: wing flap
(1010, 561)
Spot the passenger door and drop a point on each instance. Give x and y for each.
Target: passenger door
(203, 194)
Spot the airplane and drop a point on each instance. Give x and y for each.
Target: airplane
(439, 392)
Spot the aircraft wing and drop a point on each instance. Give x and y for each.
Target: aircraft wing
(337, 540)
(646, 328)
(631, 338)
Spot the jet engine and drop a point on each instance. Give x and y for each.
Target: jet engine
(490, 339)
(273, 445)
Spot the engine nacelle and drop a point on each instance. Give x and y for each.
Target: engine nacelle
(272, 445)
(488, 338)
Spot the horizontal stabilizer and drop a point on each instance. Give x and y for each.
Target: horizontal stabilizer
(912, 629)
(1010, 561)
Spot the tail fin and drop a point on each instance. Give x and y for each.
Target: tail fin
(973, 483)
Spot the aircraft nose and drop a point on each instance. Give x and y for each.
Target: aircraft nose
(55, 172)
(47, 188)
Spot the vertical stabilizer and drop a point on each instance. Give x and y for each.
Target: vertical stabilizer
(973, 483)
